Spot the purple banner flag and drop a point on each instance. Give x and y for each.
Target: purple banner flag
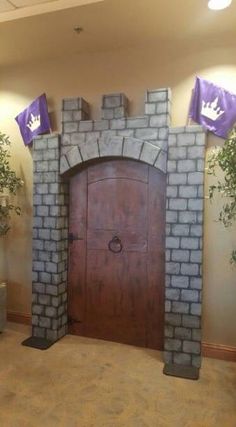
(213, 107)
(34, 120)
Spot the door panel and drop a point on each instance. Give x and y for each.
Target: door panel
(118, 296)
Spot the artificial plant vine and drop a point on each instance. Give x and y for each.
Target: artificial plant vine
(225, 158)
(9, 183)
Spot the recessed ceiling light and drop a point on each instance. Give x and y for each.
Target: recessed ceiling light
(219, 4)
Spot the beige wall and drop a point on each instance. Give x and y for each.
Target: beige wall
(131, 71)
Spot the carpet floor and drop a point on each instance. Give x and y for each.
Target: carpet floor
(82, 382)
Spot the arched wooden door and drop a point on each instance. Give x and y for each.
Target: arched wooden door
(116, 269)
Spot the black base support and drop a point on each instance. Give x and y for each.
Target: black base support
(39, 343)
(181, 371)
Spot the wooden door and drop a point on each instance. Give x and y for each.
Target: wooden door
(116, 269)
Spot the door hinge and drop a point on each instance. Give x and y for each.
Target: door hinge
(72, 237)
(71, 320)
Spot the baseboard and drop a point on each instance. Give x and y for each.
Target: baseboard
(219, 351)
(215, 351)
(14, 316)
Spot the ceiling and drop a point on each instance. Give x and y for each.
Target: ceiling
(16, 9)
(113, 24)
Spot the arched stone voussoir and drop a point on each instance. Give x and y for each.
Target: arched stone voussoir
(111, 147)
(115, 146)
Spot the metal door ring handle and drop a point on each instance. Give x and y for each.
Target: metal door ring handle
(115, 241)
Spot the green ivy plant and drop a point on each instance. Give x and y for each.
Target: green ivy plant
(9, 184)
(225, 158)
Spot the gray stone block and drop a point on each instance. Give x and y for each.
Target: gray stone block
(150, 108)
(70, 127)
(169, 331)
(172, 344)
(195, 204)
(190, 321)
(172, 166)
(44, 234)
(201, 139)
(196, 309)
(147, 134)
(182, 333)
(182, 359)
(132, 147)
(159, 95)
(171, 217)
(178, 204)
(108, 114)
(179, 282)
(117, 124)
(180, 255)
(69, 104)
(111, 147)
(168, 357)
(172, 294)
(189, 269)
(196, 152)
(38, 309)
(172, 242)
(51, 312)
(137, 122)
(78, 138)
(196, 283)
(91, 137)
(180, 307)
(171, 191)
(113, 100)
(163, 133)
(190, 296)
(172, 140)
(167, 306)
(120, 112)
(64, 165)
(42, 166)
(159, 120)
(108, 134)
(187, 217)
(191, 347)
(149, 153)
(196, 257)
(177, 153)
(196, 361)
(185, 140)
(196, 335)
(189, 243)
(45, 277)
(172, 268)
(38, 332)
(178, 179)
(44, 322)
(86, 125)
(161, 161)
(186, 165)
(89, 150)
(195, 178)
(173, 319)
(67, 116)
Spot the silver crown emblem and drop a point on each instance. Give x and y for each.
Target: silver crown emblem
(211, 110)
(34, 123)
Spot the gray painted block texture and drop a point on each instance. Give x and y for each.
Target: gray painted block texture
(149, 138)
(184, 245)
(49, 298)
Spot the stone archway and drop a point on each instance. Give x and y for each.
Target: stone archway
(148, 139)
